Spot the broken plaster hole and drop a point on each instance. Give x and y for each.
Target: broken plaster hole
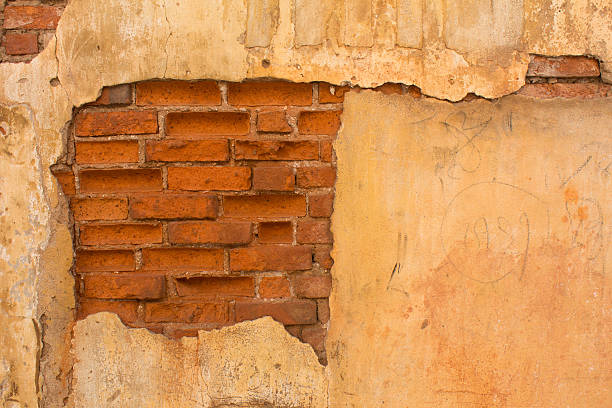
(265, 63)
(212, 218)
(54, 82)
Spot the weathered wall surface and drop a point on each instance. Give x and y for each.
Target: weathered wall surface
(446, 48)
(471, 253)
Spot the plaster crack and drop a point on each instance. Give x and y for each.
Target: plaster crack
(167, 39)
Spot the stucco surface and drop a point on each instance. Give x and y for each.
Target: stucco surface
(251, 364)
(471, 254)
(446, 48)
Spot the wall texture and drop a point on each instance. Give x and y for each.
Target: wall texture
(447, 49)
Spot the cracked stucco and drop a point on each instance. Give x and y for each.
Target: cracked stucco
(102, 43)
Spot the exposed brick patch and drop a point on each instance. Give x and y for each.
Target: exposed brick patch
(21, 44)
(31, 17)
(221, 213)
(563, 67)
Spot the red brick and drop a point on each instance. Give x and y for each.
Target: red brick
(105, 261)
(315, 336)
(201, 312)
(168, 206)
(178, 93)
(86, 209)
(327, 151)
(269, 93)
(209, 232)
(313, 232)
(319, 123)
(274, 287)
(271, 258)
(209, 178)
(20, 44)
(322, 256)
(31, 17)
(320, 205)
(309, 177)
(115, 95)
(196, 124)
(287, 312)
(332, 93)
(276, 232)
(124, 286)
(116, 123)
(182, 259)
(123, 180)
(389, 88)
(566, 90)
(275, 121)
(172, 150)
(126, 310)
(116, 151)
(216, 286)
(66, 181)
(277, 150)
(309, 286)
(273, 178)
(116, 234)
(563, 67)
(323, 310)
(265, 205)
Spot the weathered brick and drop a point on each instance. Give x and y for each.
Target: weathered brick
(105, 261)
(321, 176)
(209, 232)
(265, 205)
(116, 123)
(116, 234)
(319, 122)
(178, 93)
(115, 151)
(115, 95)
(277, 150)
(313, 232)
(31, 17)
(327, 151)
(389, 88)
(126, 310)
(332, 93)
(311, 286)
(201, 312)
(315, 336)
(566, 90)
(86, 209)
(271, 258)
(168, 206)
(563, 67)
(172, 150)
(121, 180)
(322, 256)
(274, 287)
(66, 181)
(275, 121)
(286, 312)
(216, 286)
(182, 259)
(276, 232)
(323, 310)
(124, 286)
(197, 124)
(209, 178)
(269, 93)
(20, 44)
(320, 205)
(273, 178)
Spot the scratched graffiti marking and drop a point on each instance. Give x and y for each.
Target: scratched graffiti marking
(488, 228)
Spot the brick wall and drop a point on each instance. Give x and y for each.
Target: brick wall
(27, 27)
(201, 204)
